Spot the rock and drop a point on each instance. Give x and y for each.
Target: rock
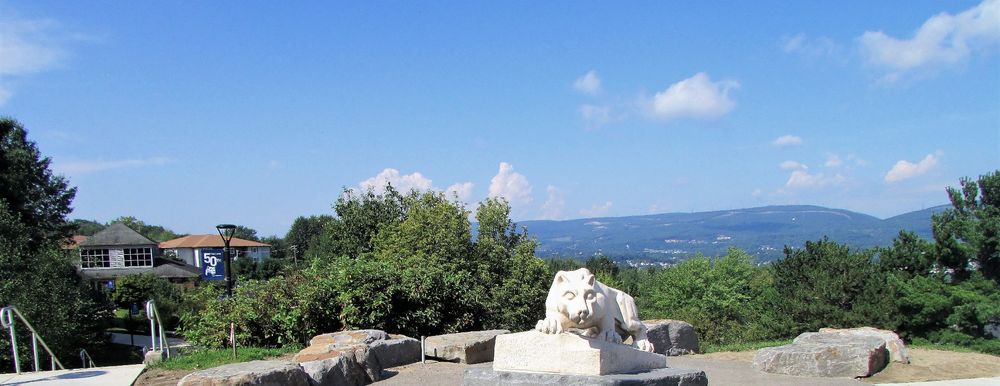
(896, 347)
(570, 354)
(327, 346)
(825, 355)
(255, 373)
(464, 347)
(337, 371)
(672, 337)
(152, 357)
(400, 351)
(481, 376)
(363, 352)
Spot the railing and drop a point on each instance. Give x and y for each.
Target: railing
(85, 359)
(154, 320)
(7, 320)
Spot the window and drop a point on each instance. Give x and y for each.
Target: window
(138, 257)
(95, 258)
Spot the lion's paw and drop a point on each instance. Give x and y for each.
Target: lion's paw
(644, 345)
(611, 336)
(549, 326)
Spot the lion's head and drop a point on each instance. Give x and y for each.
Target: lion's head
(579, 297)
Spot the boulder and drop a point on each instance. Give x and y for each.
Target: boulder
(342, 370)
(570, 354)
(255, 373)
(672, 337)
(825, 355)
(365, 352)
(464, 347)
(399, 351)
(896, 347)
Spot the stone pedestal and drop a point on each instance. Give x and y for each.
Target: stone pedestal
(570, 354)
(480, 376)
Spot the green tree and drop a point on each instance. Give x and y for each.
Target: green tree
(908, 256)
(153, 232)
(826, 284)
(727, 299)
(360, 217)
(305, 232)
(36, 197)
(86, 227)
(246, 233)
(967, 236)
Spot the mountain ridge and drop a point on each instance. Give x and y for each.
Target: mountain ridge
(761, 231)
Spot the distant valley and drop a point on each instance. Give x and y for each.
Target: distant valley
(763, 232)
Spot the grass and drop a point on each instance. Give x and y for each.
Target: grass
(208, 358)
(743, 346)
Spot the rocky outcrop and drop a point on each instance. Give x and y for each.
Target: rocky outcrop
(464, 347)
(672, 337)
(355, 357)
(255, 373)
(825, 355)
(896, 347)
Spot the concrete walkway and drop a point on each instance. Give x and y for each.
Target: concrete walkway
(97, 376)
(954, 382)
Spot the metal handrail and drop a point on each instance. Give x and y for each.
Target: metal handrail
(7, 320)
(85, 359)
(154, 319)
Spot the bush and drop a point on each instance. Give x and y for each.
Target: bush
(139, 288)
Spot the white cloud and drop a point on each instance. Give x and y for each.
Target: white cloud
(510, 185)
(84, 167)
(792, 165)
(597, 210)
(801, 179)
(816, 47)
(401, 182)
(595, 116)
(554, 205)
(588, 84)
(944, 39)
(26, 47)
(694, 97)
(462, 190)
(904, 169)
(787, 140)
(833, 160)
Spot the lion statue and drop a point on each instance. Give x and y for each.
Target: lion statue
(578, 303)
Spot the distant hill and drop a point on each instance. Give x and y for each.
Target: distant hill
(762, 232)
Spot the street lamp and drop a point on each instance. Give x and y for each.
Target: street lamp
(226, 231)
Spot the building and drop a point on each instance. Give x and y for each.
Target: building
(189, 249)
(118, 251)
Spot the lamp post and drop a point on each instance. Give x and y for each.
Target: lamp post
(226, 231)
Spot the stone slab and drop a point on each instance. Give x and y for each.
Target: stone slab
(464, 347)
(396, 352)
(253, 373)
(825, 355)
(897, 349)
(570, 354)
(480, 376)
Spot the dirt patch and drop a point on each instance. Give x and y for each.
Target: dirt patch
(161, 377)
(738, 356)
(925, 365)
(937, 365)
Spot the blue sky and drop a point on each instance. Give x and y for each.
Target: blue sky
(193, 114)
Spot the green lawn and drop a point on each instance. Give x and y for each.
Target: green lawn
(208, 358)
(746, 346)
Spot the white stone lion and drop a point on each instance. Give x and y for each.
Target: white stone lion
(579, 303)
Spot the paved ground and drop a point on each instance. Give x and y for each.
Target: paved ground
(720, 372)
(98, 376)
